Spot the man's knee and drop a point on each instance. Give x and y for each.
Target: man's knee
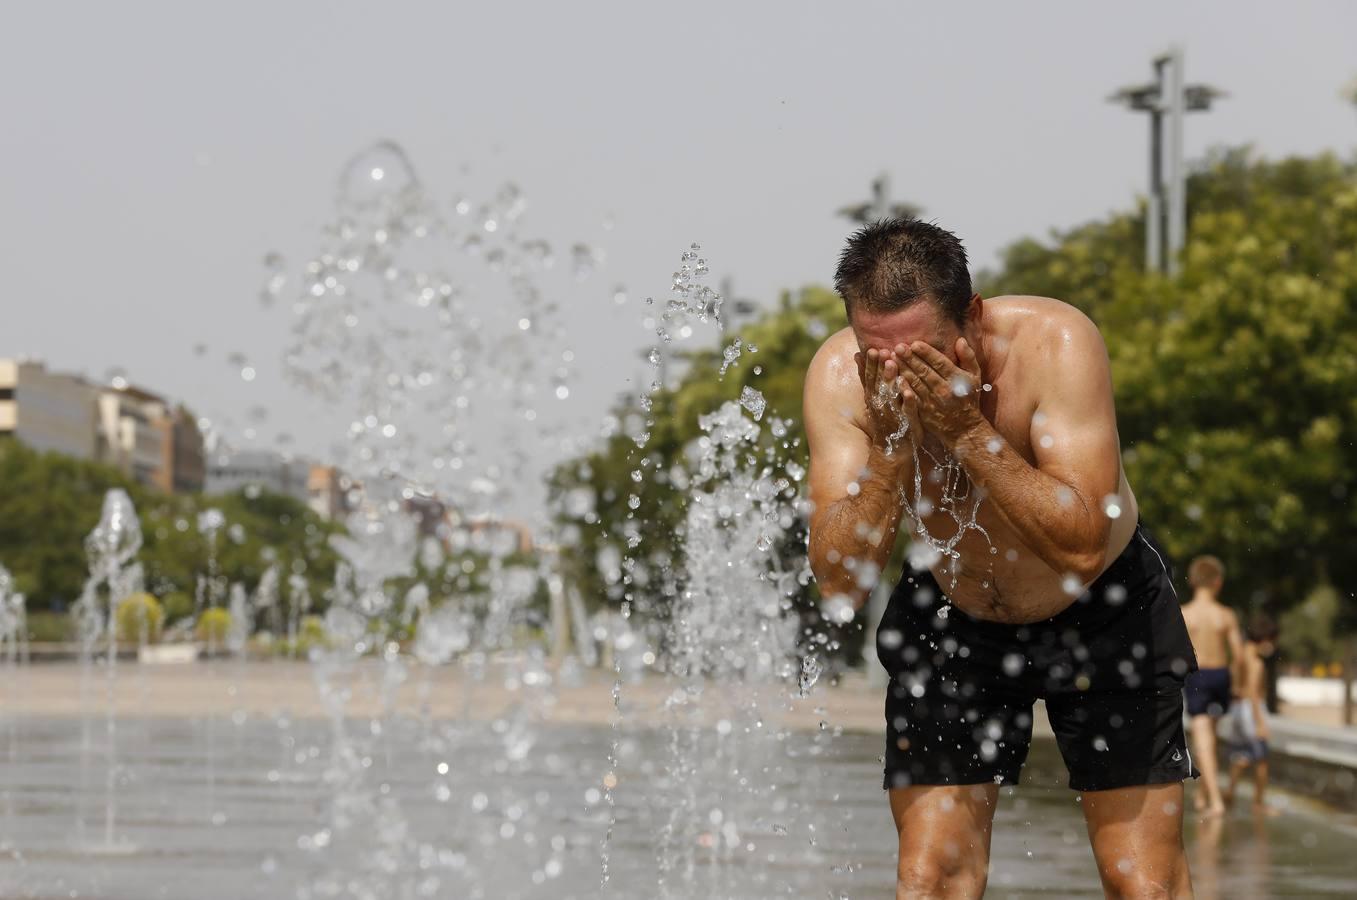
(946, 870)
(1125, 880)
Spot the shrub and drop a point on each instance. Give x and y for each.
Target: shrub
(138, 615)
(50, 627)
(311, 630)
(178, 605)
(311, 633)
(213, 626)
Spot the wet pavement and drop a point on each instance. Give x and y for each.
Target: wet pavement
(261, 807)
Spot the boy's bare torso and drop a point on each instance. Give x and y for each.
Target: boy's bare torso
(1210, 624)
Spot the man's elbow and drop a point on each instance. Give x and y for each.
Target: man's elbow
(833, 578)
(1087, 565)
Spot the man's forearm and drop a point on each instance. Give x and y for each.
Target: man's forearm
(851, 541)
(1051, 518)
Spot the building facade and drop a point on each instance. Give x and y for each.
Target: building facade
(183, 463)
(47, 411)
(229, 471)
(327, 492)
(131, 434)
(133, 430)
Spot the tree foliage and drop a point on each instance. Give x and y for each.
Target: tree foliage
(50, 502)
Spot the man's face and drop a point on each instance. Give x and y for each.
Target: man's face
(920, 321)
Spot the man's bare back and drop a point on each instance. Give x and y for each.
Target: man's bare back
(996, 575)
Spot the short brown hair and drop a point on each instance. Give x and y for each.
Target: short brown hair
(1262, 629)
(892, 263)
(1204, 570)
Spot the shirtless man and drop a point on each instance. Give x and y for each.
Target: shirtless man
(1214, 629)
(1052, 590)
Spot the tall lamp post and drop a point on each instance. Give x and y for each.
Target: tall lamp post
(1167, 100)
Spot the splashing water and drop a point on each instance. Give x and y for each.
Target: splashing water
(811, 668)
(299, 604)
(730, 355)
(729, 634)
(423, 326)
(753, 401)
(957, 497)
(13, 620)
(110, 547)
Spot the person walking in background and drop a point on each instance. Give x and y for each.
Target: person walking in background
(1214, 629)
(1248, 717)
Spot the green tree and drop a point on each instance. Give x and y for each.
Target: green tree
(50, 502)
(1307, 630)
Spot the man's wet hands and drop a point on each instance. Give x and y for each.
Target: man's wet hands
(915, 387)
(892, 414)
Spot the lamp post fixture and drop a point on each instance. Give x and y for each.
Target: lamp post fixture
(734, 308)
(1167, 99)
(880, 206)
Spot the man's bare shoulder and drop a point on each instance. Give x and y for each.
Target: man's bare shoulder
(833, 370)
(1044, 326)
(832, 382)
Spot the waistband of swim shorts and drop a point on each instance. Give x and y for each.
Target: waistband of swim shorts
(1140, 567)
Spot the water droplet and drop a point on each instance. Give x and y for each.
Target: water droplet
(753, 401)
(811, 667)
(838, 609)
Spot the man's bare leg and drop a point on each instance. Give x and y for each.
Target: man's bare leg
(944, 839)
(1137, 838)
(1204, 755)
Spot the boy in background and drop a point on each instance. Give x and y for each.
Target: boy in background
(1247, 714)
(1214, 630)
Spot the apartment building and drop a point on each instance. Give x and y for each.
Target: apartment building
(46, 410)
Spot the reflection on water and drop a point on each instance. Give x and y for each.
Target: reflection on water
(826, 833)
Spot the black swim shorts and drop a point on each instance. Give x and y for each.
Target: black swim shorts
(1208, 692)
(1110, 668)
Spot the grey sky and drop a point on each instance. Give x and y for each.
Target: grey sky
(152, 153)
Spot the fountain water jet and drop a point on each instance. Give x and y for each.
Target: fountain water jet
(110, 547)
